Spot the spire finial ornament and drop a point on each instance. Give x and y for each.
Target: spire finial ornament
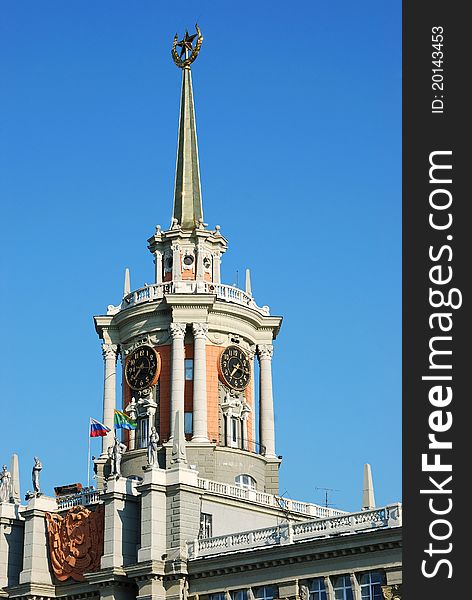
(188, 52)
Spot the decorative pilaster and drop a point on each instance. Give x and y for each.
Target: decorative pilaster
(266, 412)
(177, 331)
(216, 267)
(35, 553)
(110, 355)
(356, 589)
(158, 266)
(176, 266)
(200, 421)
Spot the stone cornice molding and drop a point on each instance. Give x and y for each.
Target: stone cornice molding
(265, 351)
(177, 330)
(200, 330)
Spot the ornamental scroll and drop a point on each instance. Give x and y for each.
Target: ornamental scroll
(75, 542)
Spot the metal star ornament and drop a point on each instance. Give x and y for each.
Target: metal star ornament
(188, 52)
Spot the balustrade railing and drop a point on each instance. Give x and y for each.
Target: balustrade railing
(270, 500)
(387, 516)
(83, 498)
(156, 291)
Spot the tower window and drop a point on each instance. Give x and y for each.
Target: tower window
(206, 526)
(245, 481)
(188, 423)
(189, 369)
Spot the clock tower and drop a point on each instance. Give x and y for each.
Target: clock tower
(195, 353)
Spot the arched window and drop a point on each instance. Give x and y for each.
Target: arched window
(245, 481)
(371, 586)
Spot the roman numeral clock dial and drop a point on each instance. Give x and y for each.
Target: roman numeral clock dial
(234, 368)
(142, 368)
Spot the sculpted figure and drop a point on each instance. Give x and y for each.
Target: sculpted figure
(115, 453)
(152, 448)
(5, 484)
(35, 475)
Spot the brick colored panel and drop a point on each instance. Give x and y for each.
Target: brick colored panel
(164, 380)
(212, 356)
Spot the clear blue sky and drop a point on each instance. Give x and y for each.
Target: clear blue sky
(299, 127)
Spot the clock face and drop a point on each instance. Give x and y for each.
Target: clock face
(142, 368)
(234, 367)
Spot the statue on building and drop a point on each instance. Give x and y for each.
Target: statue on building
(115, 453)
(5, 484)
(152, 448)
(35, 475)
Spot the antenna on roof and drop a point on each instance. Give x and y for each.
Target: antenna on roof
(326, 492)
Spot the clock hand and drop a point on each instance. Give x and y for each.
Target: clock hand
(236, 368)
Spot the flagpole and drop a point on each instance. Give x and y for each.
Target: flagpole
(88, 454)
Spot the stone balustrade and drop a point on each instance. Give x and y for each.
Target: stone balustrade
(156, 291)
(261, 498)
(378, 518)
(83, 498)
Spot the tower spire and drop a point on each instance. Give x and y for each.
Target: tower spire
(188, 210)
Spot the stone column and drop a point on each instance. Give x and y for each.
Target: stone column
(177, 331)
(253, 447)
(200, 420)
(266, 401)
(110, 353)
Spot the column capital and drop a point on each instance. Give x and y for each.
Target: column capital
(109, 351)
(177, 330)
(199, 330)
(265, 351)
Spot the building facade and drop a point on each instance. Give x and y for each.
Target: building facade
(187, 502)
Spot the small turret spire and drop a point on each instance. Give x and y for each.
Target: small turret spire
(188, 210)
(368, 500)
(127, 284)
(248, 282)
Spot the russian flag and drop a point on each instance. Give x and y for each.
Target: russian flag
(98, 429)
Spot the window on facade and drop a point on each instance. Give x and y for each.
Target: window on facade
(342, 588)
(234, 432)
(238, 595)
(218, 596)
(317, 589)
(206, 526)
(266, 592)
(371, 586)
(188, 422)
(245, 481)
(189, 369)
(143, 432)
